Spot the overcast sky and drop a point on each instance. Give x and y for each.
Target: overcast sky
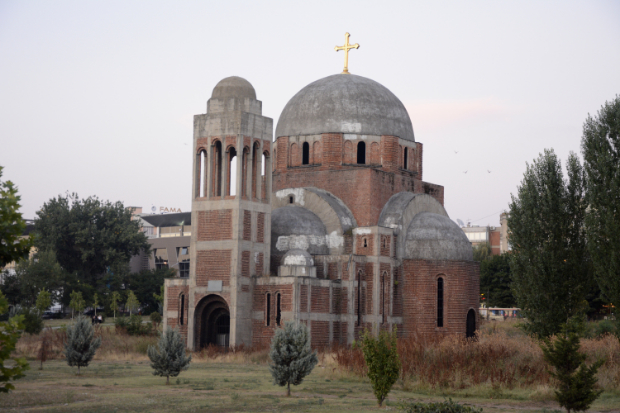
(97, 97)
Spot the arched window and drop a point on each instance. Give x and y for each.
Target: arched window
(217, 173)
(383, 277)
(359, 298)
(439, 302)
(268, 312)
(182, 309)
(361, 153)
(306, 154)
(278, 310)
(365, 241)
(470, 329)
(291, 199)
(232, 172)
(405, 159)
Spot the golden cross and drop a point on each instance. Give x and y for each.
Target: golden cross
(346, 49)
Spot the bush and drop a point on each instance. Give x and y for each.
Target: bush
(133, 326)
(168, 357)
(447, 406)
(81, 343)
(155, 318)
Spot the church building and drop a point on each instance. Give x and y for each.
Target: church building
(331, 224)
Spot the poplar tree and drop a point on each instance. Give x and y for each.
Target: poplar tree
(549, 260)
(114, 301)
(601, 156)
(132, 302)
(292, 357)
(81, 343)
(44, 301)
(168, 358)
(77, 303)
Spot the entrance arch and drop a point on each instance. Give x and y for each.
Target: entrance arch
(471, 324)
(212, 322)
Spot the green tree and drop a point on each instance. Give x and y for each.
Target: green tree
(601, 156)
(77, 303)
(32, 321)
(291, 355)
(41, 272)
(11, 288)
(115, 301)
(575, 379)
(482, 252)
(44, 301)
(382, 361)
(549, 259)
(13, 245)
(495, 281)
(168, 358)
(81, 343)
(146, 284)
(10, 331)
(132, 302)
(88, 235)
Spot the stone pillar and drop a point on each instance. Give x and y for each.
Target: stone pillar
(197, 175)
(239, 180)
(268, 179)
(250, 172)
(224, 177)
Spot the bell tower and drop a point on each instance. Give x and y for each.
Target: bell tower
(231, 217)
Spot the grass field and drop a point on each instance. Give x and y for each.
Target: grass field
(236, 386)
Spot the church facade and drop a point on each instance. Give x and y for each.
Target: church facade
(331, 224)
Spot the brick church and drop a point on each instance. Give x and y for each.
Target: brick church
(330, 225)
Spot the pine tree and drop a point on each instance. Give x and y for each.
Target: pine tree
(168, 358)
(383, 362)
(576, 380)
(81, 345)
(292, 357)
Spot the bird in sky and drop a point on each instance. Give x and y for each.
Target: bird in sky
(466, 171)
(488, 171)
(456, 151)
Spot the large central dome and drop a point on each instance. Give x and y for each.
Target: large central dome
(345, 104)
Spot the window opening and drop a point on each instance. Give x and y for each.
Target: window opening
(440, 302)
(291, 199)
(405, 159)
(268, 308)
(306, 153)
(161, 258)
(232, 172)
(359, 298)
(365, 243)
(262, 172)
(361, 153)
(383, 299)
(278, 310)
(182, 308)
(217, 175)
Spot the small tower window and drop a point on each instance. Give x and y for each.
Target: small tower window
(291, 199)
(439, 302)
(361, 153)
(365, 242)
(278, 310)
(306, 153)
(268, 312)
(405, 159)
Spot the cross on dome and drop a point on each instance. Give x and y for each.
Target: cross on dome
(346, 49)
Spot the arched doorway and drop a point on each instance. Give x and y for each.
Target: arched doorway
(212, 322)
(471, 323)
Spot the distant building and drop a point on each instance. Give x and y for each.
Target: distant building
(169, 236)
(497, 237)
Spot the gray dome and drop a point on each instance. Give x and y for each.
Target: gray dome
(297, 257)
(345, 104)
(294, 227)
(233, 87)
(436, 237)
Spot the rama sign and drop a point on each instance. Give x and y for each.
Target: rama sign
(163, 210)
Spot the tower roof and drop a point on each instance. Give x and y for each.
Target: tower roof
(345, 103)
(233, 87)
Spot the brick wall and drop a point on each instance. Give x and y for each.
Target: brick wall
(261, 333)
(320, 300)
(259, 264)
(386, 242)
(212, 265)
(316, 153)
(174, 304)
(247, 226)
(214, 225)
(319, 333)
(245, 263)
(369, 248)
(332, 270)
(303, 299)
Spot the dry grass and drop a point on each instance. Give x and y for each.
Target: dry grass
(496, 358)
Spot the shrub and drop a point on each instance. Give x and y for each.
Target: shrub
(447, 406)
(81, 345)
(133, 326)
(291, 355)
(168, 358)
(155, 318)
(381, 357)
(33, 323)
